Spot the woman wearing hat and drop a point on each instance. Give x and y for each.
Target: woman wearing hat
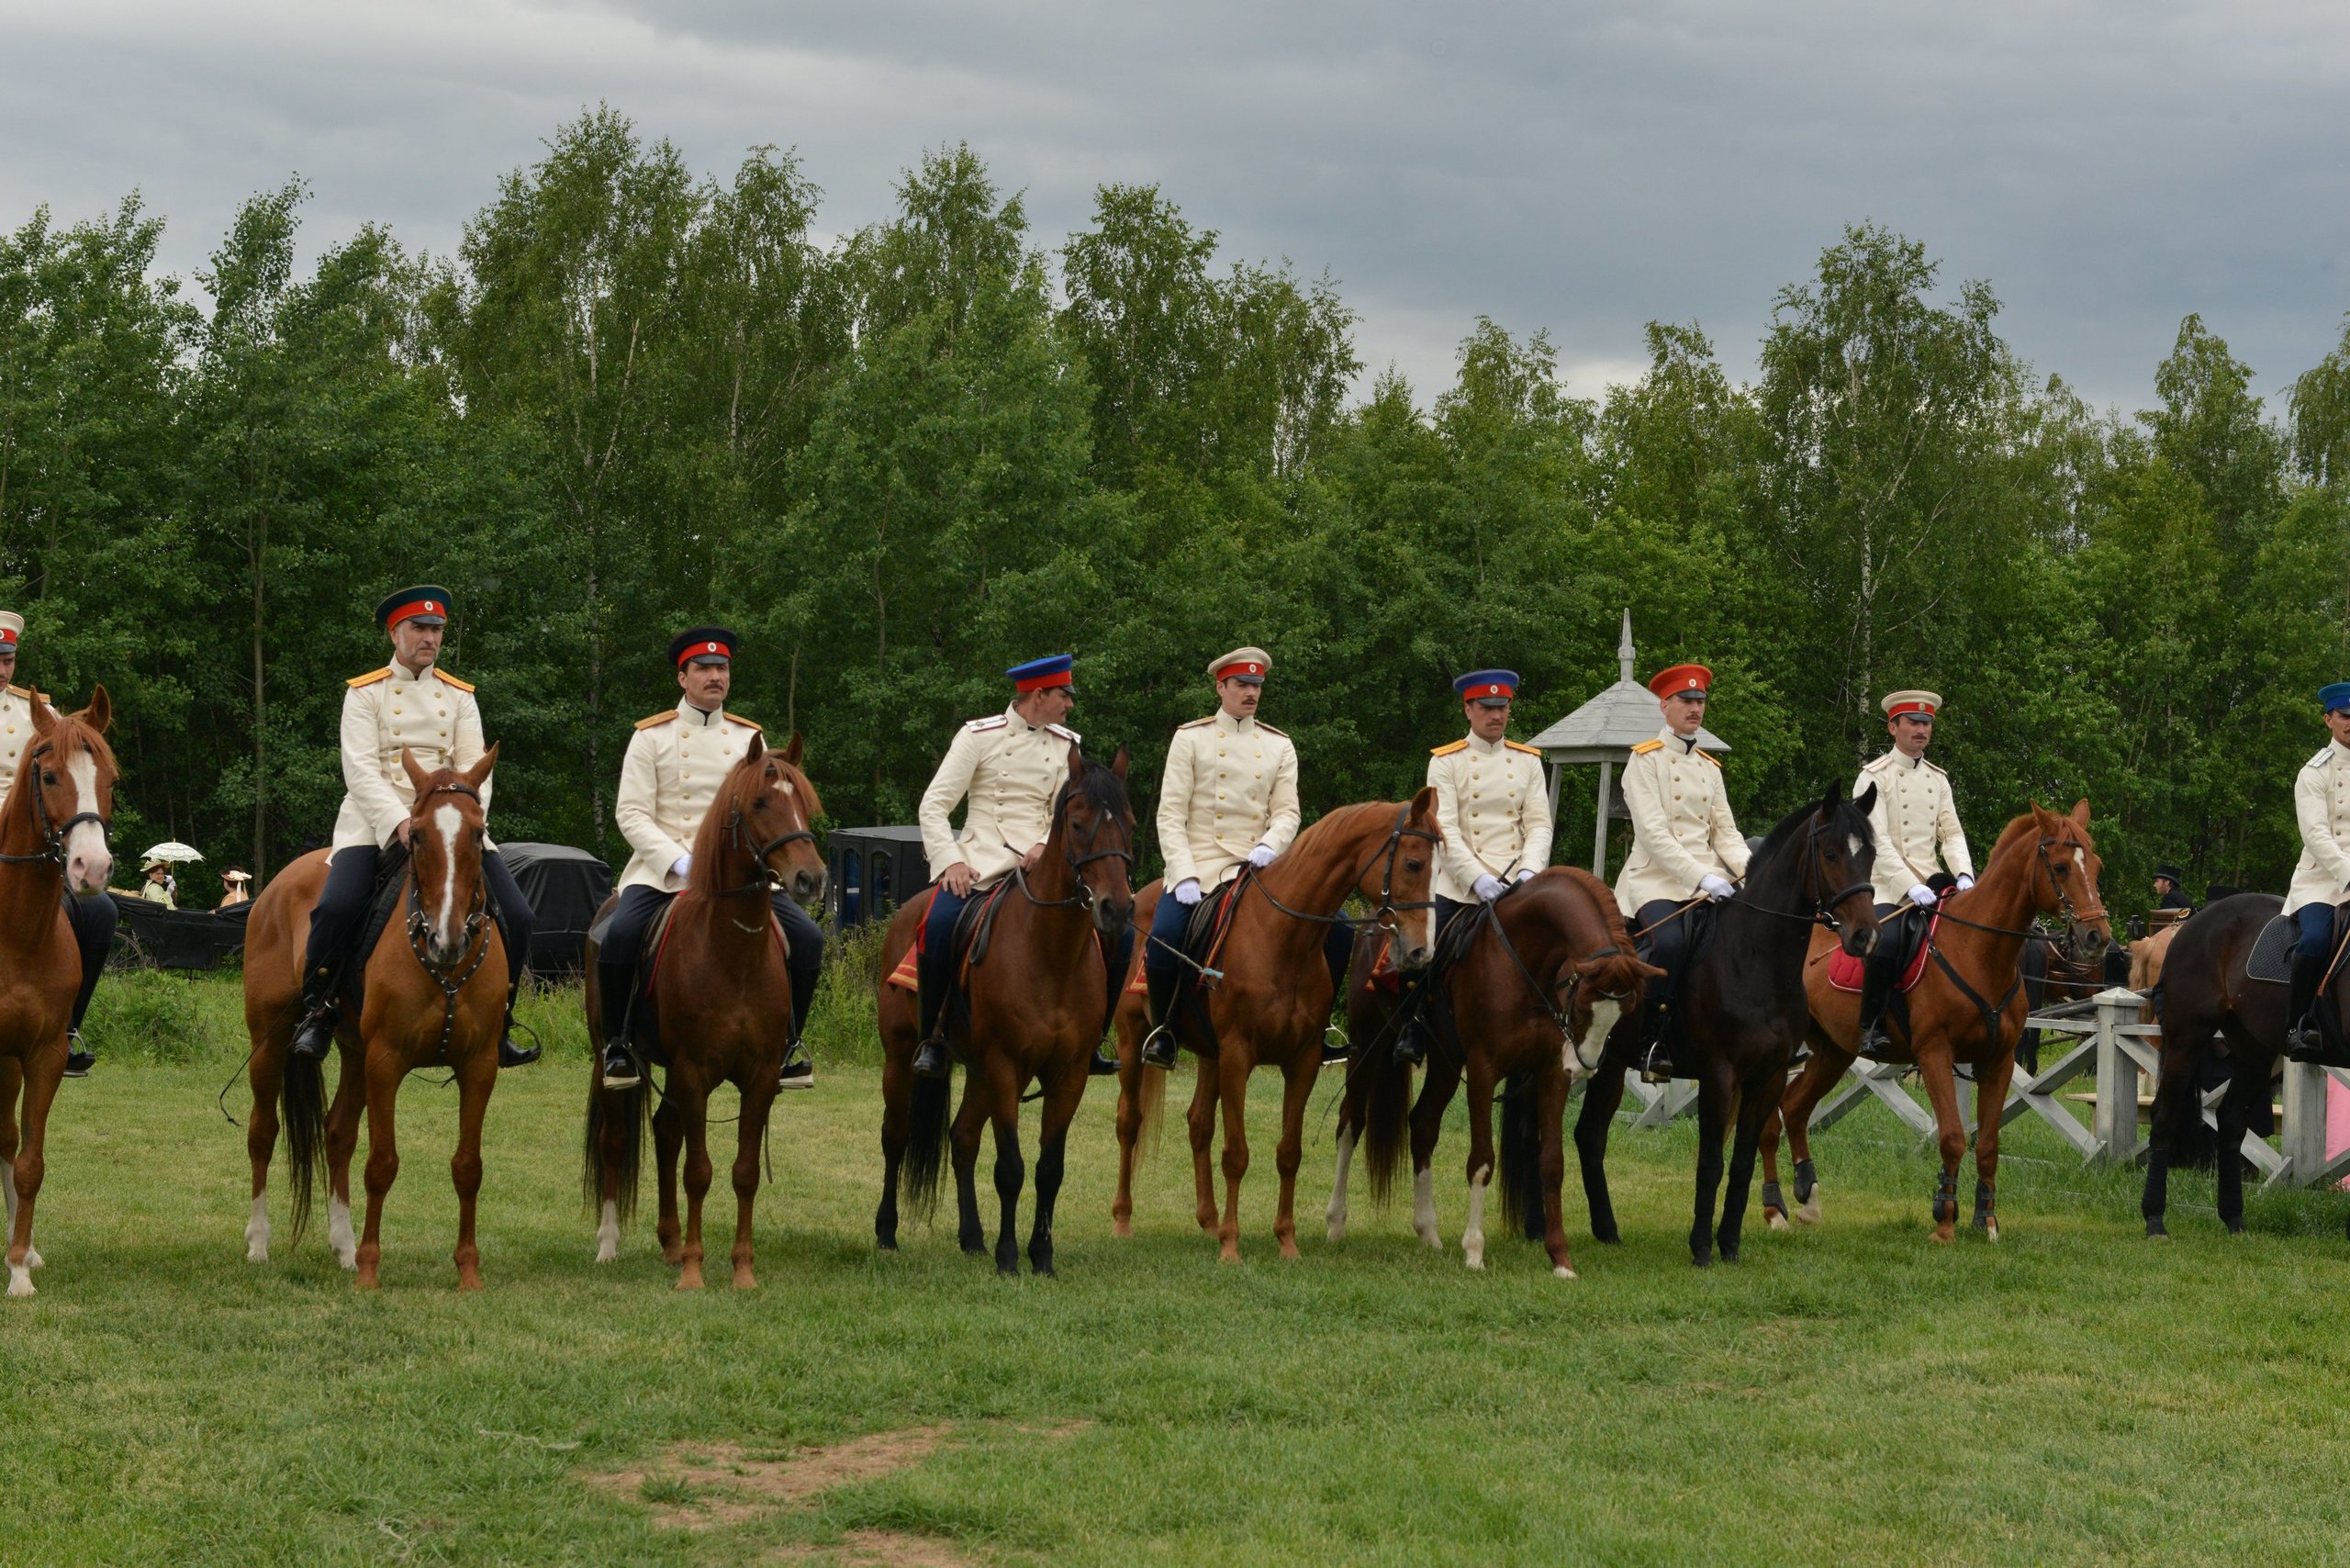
(236, 888)
(155, 886)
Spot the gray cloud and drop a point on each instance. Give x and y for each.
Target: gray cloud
(2108, 165)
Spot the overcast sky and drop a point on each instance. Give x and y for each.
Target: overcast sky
(2107, 164)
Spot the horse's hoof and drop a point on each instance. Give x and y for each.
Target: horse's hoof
(347, 1260)
(746, 1280)
(885, 1243)
(256, 1251)
(1700, 1260)
(1608, 1235)
(1561, 1272)
(2157, 1231)
(1776, 1220)
(1729, 1254)
(2237, 1228)
(1990, 1229)
(1122, 1226)
(1809, 1214)
(1042, 1270)
(21, 1283)
(467, 1284)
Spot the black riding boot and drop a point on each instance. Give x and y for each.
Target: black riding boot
(1412, 1042)
(2304, 1040)
(798, 1066)
(1158, 1045)
(1876, 992)
(1656, 1063)
(614, 983)
(509, 1053)
(314, 1038)
(932, 1061)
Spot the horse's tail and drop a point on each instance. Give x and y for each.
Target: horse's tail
(303, 1094)
(636, 1110)
(1522, 1155)
(1386, 1116)
(926, 1150)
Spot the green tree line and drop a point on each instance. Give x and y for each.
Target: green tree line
(637, 397)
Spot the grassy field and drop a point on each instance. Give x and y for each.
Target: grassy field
(1845, 1395)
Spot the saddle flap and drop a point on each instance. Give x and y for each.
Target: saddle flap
(2272, 952)
(1845, 972)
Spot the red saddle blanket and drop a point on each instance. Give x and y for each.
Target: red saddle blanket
(1844, 970)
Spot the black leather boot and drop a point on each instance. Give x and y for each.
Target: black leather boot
(1158, 1046)
(2304, 1040)
(314, 1038)
(509, 1053)
(613, 984)
(1656, 1063)
(1876, 992)
(78, 1057)
(932, 1061)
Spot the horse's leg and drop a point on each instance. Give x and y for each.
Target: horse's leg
(2250, 1078)
(668, 1139)
(350, 1103)
(2178, 1108)
(1822, 1073)
(1758, 1098)
(1232, 1074)
(474, 1081)
(1438, 1086)
(1129, 1126)
(41, 1089)
(1349, 1133)
(1942, 1087)
(266, 1075)
(1715, 1088)
(969, 1119)
(12, 1079)
(1481, 1157)
(1601, 1096)
(1011, 1169)
(619, 1107)
(1552, 1108)
(383, 1075)
(1200, 1121)
(1052, 1148)
(696, 1175)
(750, 1129)
(1990, 1104)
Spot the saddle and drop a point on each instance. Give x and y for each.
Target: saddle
(1916, 938)
(395, 896)
(2272, 952)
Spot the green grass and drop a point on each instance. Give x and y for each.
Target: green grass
(1846, 1394)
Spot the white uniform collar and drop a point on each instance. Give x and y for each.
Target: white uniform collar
(2340, 751)
(1687, 746)
(1012, 713)
(401, 672)
(1487, 748)
(697, 718)
(1226, 725)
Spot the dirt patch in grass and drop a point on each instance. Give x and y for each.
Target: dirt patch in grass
(704, 1485)
(872, 1548)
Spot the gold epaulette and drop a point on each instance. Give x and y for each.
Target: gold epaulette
(1197, 722)
(1521, 745)
(665, 716)
(1644, 747)
(1710, 756)
(371, 678)
(1448, 750)
(1270, 731)
(444, 674)
(732, 719)
(27, 693)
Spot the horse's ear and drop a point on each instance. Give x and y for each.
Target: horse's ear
(43, 720)
(758, 746)
(416, 775)
(480, 770)
(1424, 802)
(794, 749)
(1118, 764)
(1075, 764)
(1866, 802)
(100, 713)
(2081, 813)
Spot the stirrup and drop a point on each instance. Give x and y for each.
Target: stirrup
(1656, 1067)
(932, 1061)
(314, 1038)
(621, 1068)
(799, 1069)
(1103, 1064)
(511, 1055)
(1335, 1047)
(1160, 1047)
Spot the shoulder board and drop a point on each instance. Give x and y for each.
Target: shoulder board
(1937, 767)
(1521, 745)
(734, 719)
(1067, 734)
(2320, 761)
(1878, 763)
(1270, 731)
(992, 722)
(369, 679)
(1710, 756)
(453, 680)
(1644, 747)
(1448, 750)
(25, 692)
(1197, 722)
(655, 721)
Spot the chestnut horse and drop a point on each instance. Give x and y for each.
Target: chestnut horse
(53, 843)
(1968, 1006)
(723, 996)
(1537, 984)
(1029, 1011)
(436, 996)
(1741, 1008)
(1273, 1000)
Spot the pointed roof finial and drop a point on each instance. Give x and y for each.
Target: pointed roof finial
(1624, 647)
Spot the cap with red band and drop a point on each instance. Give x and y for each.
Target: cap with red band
(1249, 665)
(1487, 688)
(12, 627)
(1675, 679)
(1042, 674)
(427, 604)
(703, 645)
(1899, 702)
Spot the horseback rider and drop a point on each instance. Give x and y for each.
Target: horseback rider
(1227, 799)
(2322, 879)
(93, 919)
(1494, 809)
(675, 763)
(1917, 839)
(1006, 770)
(1686, 845)
(414, 704)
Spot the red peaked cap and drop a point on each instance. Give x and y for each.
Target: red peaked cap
(1674, 678)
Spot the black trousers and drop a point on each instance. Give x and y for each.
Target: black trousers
(93, 920)
(1667, 945)
(616, 958)
(342, 909)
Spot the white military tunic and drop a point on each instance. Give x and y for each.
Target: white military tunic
(1494, 810)
(16, 734)
(1006, 772)
(1230, 785)
(2321, 805)
(432, 714)
(1915, 825)
(1681, 827)
(675, 763)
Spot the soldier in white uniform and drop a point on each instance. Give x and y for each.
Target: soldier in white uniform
(1228, 798)
(1006, 770)
(2321, 879)
(1686, 844)
(1494, 810)
(410, 703)
(1918, 842)
(92, 918)
(669, 778)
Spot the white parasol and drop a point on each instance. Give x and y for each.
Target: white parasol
(172, 849)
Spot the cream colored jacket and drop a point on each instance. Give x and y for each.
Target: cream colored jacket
(16, 734)
(1681, 826)
(2322, 804)
(1494, 807)
(432, 714)
(1006, 773)
(1915, 825)
(1230, 785)
(670, 775)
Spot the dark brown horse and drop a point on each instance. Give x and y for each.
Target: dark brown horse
(1030, 1011)
(722, 994)
(435, 997)
(1742, 1010)
(1968, 1006)
(1538, 984)
(1273, 1000)
(53, 844)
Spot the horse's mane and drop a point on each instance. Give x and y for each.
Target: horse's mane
(1341, 820)
(1098, 788)
(1849, 817)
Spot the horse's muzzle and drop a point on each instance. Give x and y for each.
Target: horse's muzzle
(807, 886)
(1112, 917)
(86, 874)
(1410, 957)
(1861, 941)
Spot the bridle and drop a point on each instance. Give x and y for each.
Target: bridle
(53, 836)
(762, 879)
(1381, 917)
(453, 976)
(1076, 863)
(2074, 919)
(1823, 906)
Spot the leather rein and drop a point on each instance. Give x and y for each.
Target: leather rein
(53, 836)
(1381, 917)
(1083, 897)
(451, 977)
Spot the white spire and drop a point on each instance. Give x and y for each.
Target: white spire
(1624, 647)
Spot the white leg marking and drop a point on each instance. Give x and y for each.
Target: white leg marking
(1472, 1241)
(20, 1279)
(1593, 1044)
(607, 1233)
(1810, 1211)
(257, 1230)
(340, 1239)
(1338, 1213)
(1424, 1207)
(1563, 1271)
(448, 819)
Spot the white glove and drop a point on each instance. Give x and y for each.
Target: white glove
(1713, 888)
(1187, 891)
(1488, 888)
(1525, 874)
(1966, 880)
(683, 867)
(1922, 896)
(1261, 856)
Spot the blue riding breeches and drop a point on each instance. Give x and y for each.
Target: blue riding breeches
(2317, 931)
